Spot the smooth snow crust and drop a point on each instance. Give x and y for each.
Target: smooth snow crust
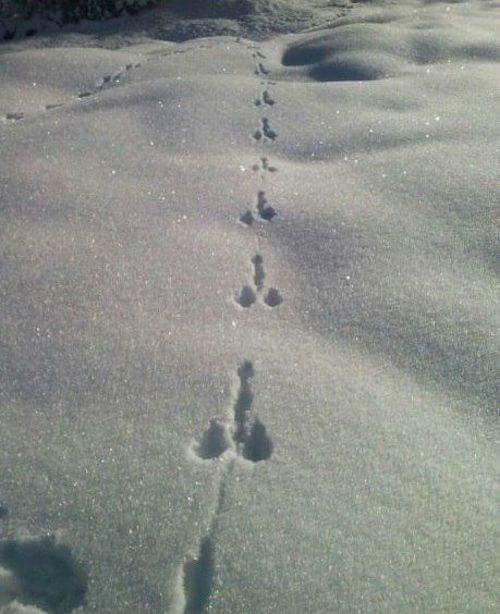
(247, 316)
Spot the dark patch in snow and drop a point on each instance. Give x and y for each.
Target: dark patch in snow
(258, 445)
(266, 97)
(14, 117)
(259, 273)
(264, 167)
(265, 211)
(247, 297)
(249, 433)
(269, 133)
(213, 442)
(198, 578)
(273, 298)
(243, 403)
(47, 574)
(247, 218)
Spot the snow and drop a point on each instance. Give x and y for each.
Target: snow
(327, 446)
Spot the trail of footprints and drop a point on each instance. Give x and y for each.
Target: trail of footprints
(265, 133)
(265, 99)
(106, 82)
(263, 211)
(264, 167)
(243, 435)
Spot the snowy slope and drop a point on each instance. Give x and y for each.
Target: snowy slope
(247, 319)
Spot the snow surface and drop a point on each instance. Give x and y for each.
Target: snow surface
(247, 318)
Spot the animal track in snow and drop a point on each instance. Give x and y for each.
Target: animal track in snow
(42, 573)
(250, 441)
(243, 402)
(265, 132)
(197, 578)
(247, 218)
(14, 117)
(247, 436)
(197, 573)
(273, 298)
(259, 274)
(265, 99)
(258, 445)
(258, 54)
(248, 295)
(214, 441)
(263, 211)
(261, 70)
(106, 80)
(264, 167)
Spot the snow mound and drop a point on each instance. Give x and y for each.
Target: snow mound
(366, 51)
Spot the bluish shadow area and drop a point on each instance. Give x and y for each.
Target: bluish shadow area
(198, 578)
(214, 442)
(244, 402)
(258, 445)
(348, 70)
(303, 54)
(48, 575)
